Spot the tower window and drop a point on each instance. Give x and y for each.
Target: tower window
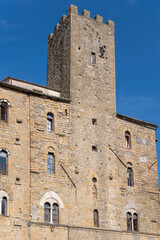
(4, 206)
(51, 215)
(130, 175)
(94, 148)
(4, 111)
(93, 58)
(55, 214)
(94, 121)
(128, 139)
(3, 162)
(47, 212)
(132, 221)
(50, 122)
(96, 218)
(51, 163)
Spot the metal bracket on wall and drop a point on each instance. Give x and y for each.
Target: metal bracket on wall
(118, 157)
(67, 175)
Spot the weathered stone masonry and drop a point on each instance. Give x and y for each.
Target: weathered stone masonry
(88, 142)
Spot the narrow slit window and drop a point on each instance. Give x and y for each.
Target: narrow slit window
(135, 221)
(130, 176)
(3, 162)
(51, 163)
(4, 206)
(96, 218)
(93, 58)
(47, 212)
(4, 111)
(129, 221)
(128, 139)
(50, 122)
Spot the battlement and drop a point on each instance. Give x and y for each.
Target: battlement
(85, 13)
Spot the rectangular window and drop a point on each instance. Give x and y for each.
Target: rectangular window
(96, 218)
(93, 58)
(51, 163)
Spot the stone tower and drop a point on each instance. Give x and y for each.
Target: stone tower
(81, 65)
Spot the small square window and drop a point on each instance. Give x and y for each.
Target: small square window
(94, 121)
(94, 148)
(93, 58)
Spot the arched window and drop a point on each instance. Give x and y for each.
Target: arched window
(51, 215)
(47, 212)
(130, 174)
(96, 218)
(129, 221)
(55, 213)
(3, 162)
(4, 203)
(4, 111)
(50, 122)
(51, 163)
(4, 206)
(135, 221)
(128, 139)
(132, 221)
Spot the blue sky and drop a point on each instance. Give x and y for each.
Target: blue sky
(26, 24)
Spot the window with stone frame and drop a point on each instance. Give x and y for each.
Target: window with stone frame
(128, 139)
(51, 213)
(130, 180)
(50, 122)
(51, 163)
(4, 110)
(96, 218)
(4, 201)
(3, 162)
(4, 206)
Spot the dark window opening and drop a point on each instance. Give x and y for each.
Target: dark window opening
(129, 221)
(93, 58)
(94, 179)
(4, 111)
(135, 221)
(94, 121)
(96, 218)
(130, 176)
(94, 148)
(50, 119)
(3, 162)
(51, 163)
(4, 206)
(128, 139)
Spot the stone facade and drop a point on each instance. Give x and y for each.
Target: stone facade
(88, 142)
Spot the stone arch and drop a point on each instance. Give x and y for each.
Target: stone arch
(131, 206)
(49, 196)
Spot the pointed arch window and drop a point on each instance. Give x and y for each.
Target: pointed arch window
(128, 139)
(50, 122)
(3, 162)
(47, 211)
